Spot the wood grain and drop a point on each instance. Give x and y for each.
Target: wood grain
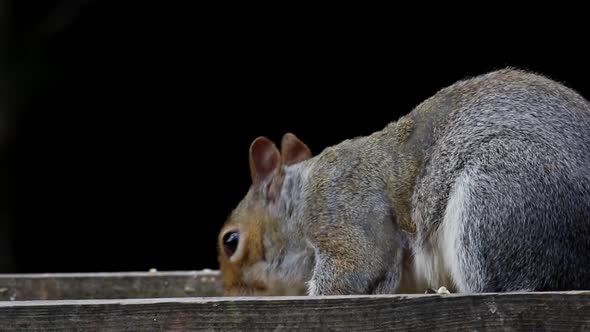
(125, 285)
(564, 311)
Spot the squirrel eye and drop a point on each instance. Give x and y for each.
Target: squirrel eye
(230, 242)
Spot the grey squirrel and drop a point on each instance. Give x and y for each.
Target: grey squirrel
(483, 187)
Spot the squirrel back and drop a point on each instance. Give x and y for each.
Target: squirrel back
(482, 187)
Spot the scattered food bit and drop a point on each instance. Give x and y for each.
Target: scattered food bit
(443, 290)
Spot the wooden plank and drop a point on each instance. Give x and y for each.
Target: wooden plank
(127, 285)
(563, 311)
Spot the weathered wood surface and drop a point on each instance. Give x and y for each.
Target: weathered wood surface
(127, 285)
(567, 311)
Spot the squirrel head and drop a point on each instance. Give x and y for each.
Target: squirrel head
(251, 240)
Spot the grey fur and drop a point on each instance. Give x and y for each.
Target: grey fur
(524, 140)
(510, 149)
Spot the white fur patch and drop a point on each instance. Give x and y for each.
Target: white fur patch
(451, 228)
(311, 289)
(437, 264)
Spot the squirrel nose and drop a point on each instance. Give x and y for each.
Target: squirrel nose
(230, 242)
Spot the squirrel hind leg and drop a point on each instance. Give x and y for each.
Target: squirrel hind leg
(515, 237)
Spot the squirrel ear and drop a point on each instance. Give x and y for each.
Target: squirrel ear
(293, 150)
(264, 159)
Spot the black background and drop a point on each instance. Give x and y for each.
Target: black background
(133, 121)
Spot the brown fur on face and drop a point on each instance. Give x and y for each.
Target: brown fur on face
(248, 272)
(248, 253)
